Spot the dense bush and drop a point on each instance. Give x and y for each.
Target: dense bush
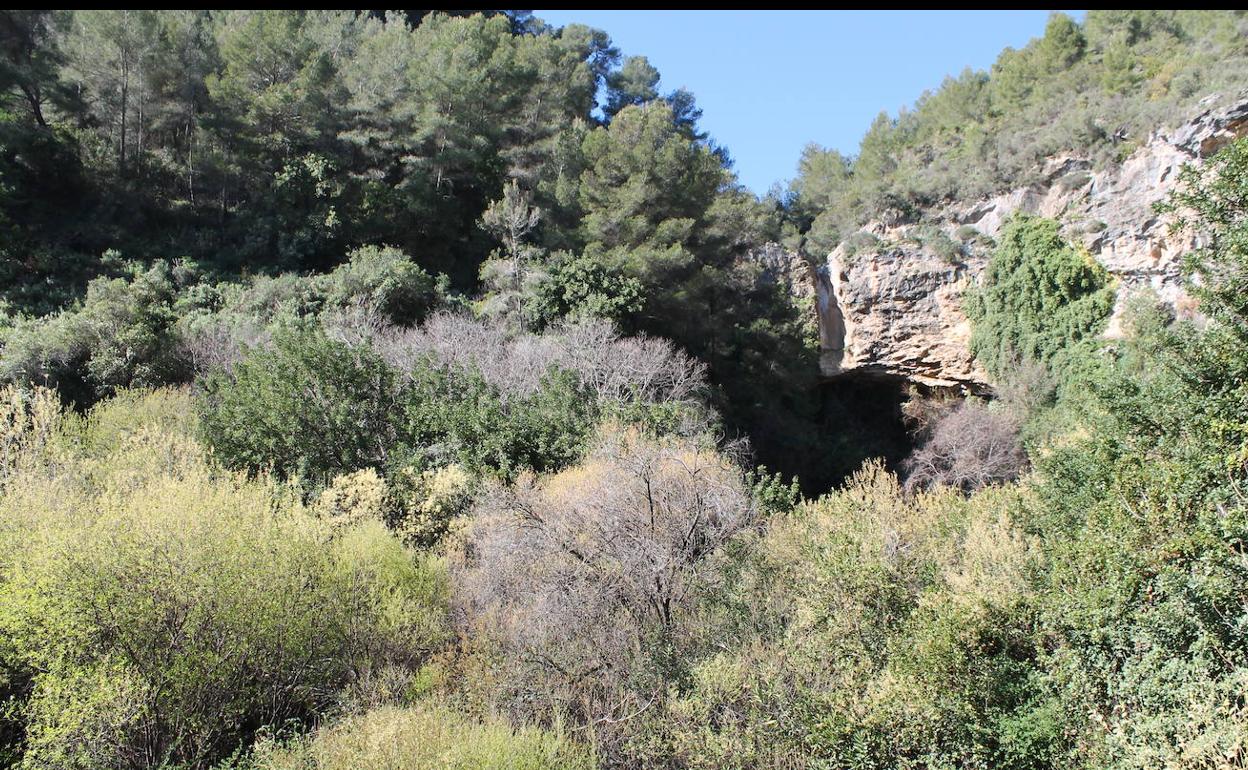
(615, 368)
(580, 287)
(122, 334)
(869, 629)
(451, 391)
(1038, 299)
(428, 503)
(621, 592)
(383, 283)
(374, 288)
(159, 325)
(1144, 521)
(260, 142)
(473, 422)
(157, 611)
(310, 407)
(1090, 616)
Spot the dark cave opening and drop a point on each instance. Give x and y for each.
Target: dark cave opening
(862, 417)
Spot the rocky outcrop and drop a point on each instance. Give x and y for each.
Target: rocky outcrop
(892, 314)
(893, 305)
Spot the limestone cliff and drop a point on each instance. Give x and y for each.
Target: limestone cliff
(890, 299)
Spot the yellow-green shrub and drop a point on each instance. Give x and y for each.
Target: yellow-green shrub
(878, 630)
(429, 501)
(353, 497)
(28, 421)
(426, 738)
(155, 609)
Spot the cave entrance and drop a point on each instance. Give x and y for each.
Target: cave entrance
(862, 417)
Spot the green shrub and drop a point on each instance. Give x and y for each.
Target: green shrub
(122, 334)
(580, 287)
(871, 629)
(309, 407)
(966, 233)
(267, 297)
(382, 280)
(29, 420)
(1039, 299)
(861, 242)
(472, 422)
(936, 241)
(1143, 520)
(353, 497)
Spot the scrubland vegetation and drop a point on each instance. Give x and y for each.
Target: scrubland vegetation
(428, 418)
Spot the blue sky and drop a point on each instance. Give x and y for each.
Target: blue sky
(769, 83)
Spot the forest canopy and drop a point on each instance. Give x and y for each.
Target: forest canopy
(412, 389)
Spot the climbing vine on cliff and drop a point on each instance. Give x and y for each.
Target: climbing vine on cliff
(1039, 301)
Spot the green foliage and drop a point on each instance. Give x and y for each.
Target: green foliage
(583, 287)
(635, 83)
(871, 630)
(1063, 43)
(122, 334)
(255, 142)
(353, 497)
(506, 276)
(28, 423)
(310, 407)
(156, 326)
(1212, 200)
(661, 208)
(1039, 299)
(487, 431)
(935, 241)
(772, 493)
(1143, 517)
(384, 281)
(646, 187)
(266, 140)
(255, 600)
(158, 611)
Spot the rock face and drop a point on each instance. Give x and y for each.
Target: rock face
(895, 307)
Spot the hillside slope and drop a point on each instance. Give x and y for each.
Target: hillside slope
(890, 301)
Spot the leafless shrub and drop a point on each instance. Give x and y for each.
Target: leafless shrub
(1026, 387)
(921, 413)
(219, 341)
(455, 340)
(587, 578)
(644, 369)
(969, 447)
(357, 323)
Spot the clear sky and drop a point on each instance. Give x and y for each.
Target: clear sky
(770, 82)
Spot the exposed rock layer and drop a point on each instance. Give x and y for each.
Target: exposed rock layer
(896, 308)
